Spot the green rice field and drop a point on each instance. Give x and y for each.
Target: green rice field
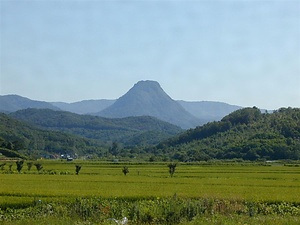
(250, 182)
(58, 183)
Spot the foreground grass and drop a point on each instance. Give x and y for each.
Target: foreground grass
(171, 210)
(206, 220)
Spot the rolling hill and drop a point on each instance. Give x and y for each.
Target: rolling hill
(143, 130)
(30, 140)
(244, 134)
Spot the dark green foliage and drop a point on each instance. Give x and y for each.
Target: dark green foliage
(19, 165)
(38, 166)
(10, 166)
(22, 137)
(125, 170)
(172, 167)
(114, 149)
(29, 165)
(77, 169)
(11, 153)
(243, 116)
(245, 134)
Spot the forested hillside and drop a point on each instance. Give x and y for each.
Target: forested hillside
(131, 131)
(30, 140)
(246, 133)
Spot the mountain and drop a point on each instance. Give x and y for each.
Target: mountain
(246, 133)
(12, 103)
(85, 106)
(148, 98)
(208, 110)
(142, 130)
(145, 98)
(31, 140)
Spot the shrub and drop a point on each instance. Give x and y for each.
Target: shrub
(19, 165)
(78, 168)
(29, 165)
(125, 170)
(38, 166)
(172, 167)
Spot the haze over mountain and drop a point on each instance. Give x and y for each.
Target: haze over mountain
(148, 98)
(204, 110)
(85, 106)
(12, 103)
(208, 110)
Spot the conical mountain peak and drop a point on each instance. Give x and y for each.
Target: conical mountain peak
(147, 84)
(147, 98)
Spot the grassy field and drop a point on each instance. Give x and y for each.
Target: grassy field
(249, 182)
(58, 183)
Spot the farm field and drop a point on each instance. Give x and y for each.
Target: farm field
(240, 184)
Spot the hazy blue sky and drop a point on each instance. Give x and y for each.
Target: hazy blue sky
(240, 52)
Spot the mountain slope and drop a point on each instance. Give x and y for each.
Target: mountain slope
(12, 103)
(104, 129)
(84, 107)
(148, 98)
(246, 133)
(20, 136)
(207, 110)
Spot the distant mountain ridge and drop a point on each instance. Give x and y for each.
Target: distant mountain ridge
(12, 103)
(85, 106)
(148, 98)
(145, 98)
(209, 110)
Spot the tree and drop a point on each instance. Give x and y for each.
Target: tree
(172, 167)
(10, 146)
(114, 149)
(78, 168)
(19, 165)
(125, 170)
(38, 166)
(29, 165)
(10, 167)
(152, 159)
